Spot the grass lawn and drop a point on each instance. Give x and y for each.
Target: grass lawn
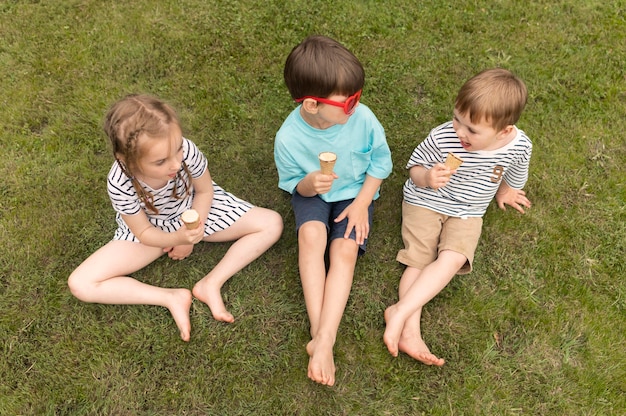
(539, 327)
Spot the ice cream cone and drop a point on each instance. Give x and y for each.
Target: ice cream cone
(453, 161)
(327, 162)
(190, 218)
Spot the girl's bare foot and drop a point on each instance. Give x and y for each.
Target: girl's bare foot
(321, 362)
(395, 323)
(179, 308)
(414, 346)
(210, 294)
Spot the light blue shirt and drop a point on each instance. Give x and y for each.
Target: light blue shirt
(360, 145)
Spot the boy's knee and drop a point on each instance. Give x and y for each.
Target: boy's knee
(312, 236)
(312, 233)
(453, 257)
(345, 248)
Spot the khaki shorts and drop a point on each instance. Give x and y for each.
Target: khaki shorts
(426, 233)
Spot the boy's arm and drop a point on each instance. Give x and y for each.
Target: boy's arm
(516, 175)
(357, 211)
(436, 177)
(511, 196)
(315, 183)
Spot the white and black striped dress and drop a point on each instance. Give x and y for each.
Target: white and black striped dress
(471, 189)
(225, 209)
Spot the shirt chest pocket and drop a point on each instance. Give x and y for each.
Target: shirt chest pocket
(360, 163)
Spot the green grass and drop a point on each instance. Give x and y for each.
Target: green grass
(537, 329)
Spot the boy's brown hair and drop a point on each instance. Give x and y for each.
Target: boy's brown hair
(321, 67)
(495, 95)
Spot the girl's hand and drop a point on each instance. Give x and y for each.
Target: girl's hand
(191, 236)
(439, 176)
(179, 252)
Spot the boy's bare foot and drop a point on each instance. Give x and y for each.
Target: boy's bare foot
(395, 323)
(210, 294)
(321, 362)
(414, 346)
(179, 308)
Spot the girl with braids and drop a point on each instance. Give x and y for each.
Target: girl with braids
(157, 175)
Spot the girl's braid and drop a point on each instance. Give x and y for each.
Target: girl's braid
(140, 114)
(131, 152)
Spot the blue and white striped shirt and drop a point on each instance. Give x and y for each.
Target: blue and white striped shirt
(225, 208)
(473, 186)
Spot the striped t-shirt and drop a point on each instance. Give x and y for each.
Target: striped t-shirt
(225, 208)
(473, 186)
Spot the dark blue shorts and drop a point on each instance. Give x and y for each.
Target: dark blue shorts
(316, 209)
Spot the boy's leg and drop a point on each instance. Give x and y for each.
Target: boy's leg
(343, 254)
(312, 215)
(255, 232)
(426, 286)
(103, 278)
(411, 342)
(312, 237)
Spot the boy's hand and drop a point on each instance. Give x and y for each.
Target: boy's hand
(513, 197)
(322, 183)
(179, 252)
(439, 176)
(358, 219)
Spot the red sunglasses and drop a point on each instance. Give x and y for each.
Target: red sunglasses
(348, 106)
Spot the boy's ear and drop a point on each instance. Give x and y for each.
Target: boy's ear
(506, 131)
(310, 106)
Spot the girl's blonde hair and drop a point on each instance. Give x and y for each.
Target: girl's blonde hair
(126, 120)
(495, 95)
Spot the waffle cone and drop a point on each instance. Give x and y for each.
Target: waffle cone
(327, 162)
(453, 161)
(191, 219)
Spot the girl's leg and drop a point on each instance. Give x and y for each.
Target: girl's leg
(343, 255)
(103, 278)
(253, 233)
(426, 286)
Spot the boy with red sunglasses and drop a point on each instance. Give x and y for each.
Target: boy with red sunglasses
(332, 211)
